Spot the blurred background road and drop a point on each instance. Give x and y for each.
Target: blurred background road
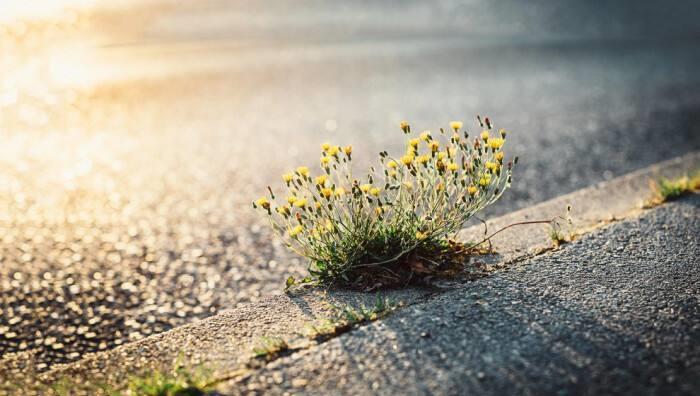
(133, 136)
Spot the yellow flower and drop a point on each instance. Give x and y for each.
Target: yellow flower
(452, 166)
(291, 199)
(392, 173)
(295, 231)
(472, 190)
(414, 142)
(325, 146)
(303, 171)
(434, 146)
(263, 202)
(499, 156)
(333, 150)
(485, 135)
(495, 143)
(485, 180)
(408, 185)
(503, 133)
(375, 191)
(440, 186)
(420, 236)
(317, 205)
(326, 192)
(490, 165)
(287, 177)
(452, 151)
(392, 164)
(300, 203)
(339, 192)
(425, 136)
(422, 159)
(407, 159)
(441, 155)
(321, 180)
(456, 137)
(347, 150)
(410, 150)
(325, 160)
(456, 125)
(379, 210)
(365, 188)
(404, 126)
(283, 210)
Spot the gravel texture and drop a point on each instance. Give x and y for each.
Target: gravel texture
(127, 166)
(616, 312)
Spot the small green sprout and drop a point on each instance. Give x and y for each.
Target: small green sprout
(347, 316)
(269, 347)
(668, 189)
(382, 307)
(180, 381)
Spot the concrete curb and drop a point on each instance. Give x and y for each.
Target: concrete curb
(224, 341)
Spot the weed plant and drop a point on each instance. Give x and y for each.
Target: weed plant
(393, 223)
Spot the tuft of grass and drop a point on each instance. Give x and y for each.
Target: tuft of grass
(269, 347)
(180, 381)
(394, 223)
(668, 189)
(347, 316)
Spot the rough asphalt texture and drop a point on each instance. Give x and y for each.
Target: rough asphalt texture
(616, 312)
(125, 198)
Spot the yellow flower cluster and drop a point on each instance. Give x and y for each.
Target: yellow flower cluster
(427, 192)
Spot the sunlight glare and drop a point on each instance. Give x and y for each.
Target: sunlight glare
(11, 10)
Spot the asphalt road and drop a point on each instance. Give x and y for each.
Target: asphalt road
(613, 313)
(133, 140)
